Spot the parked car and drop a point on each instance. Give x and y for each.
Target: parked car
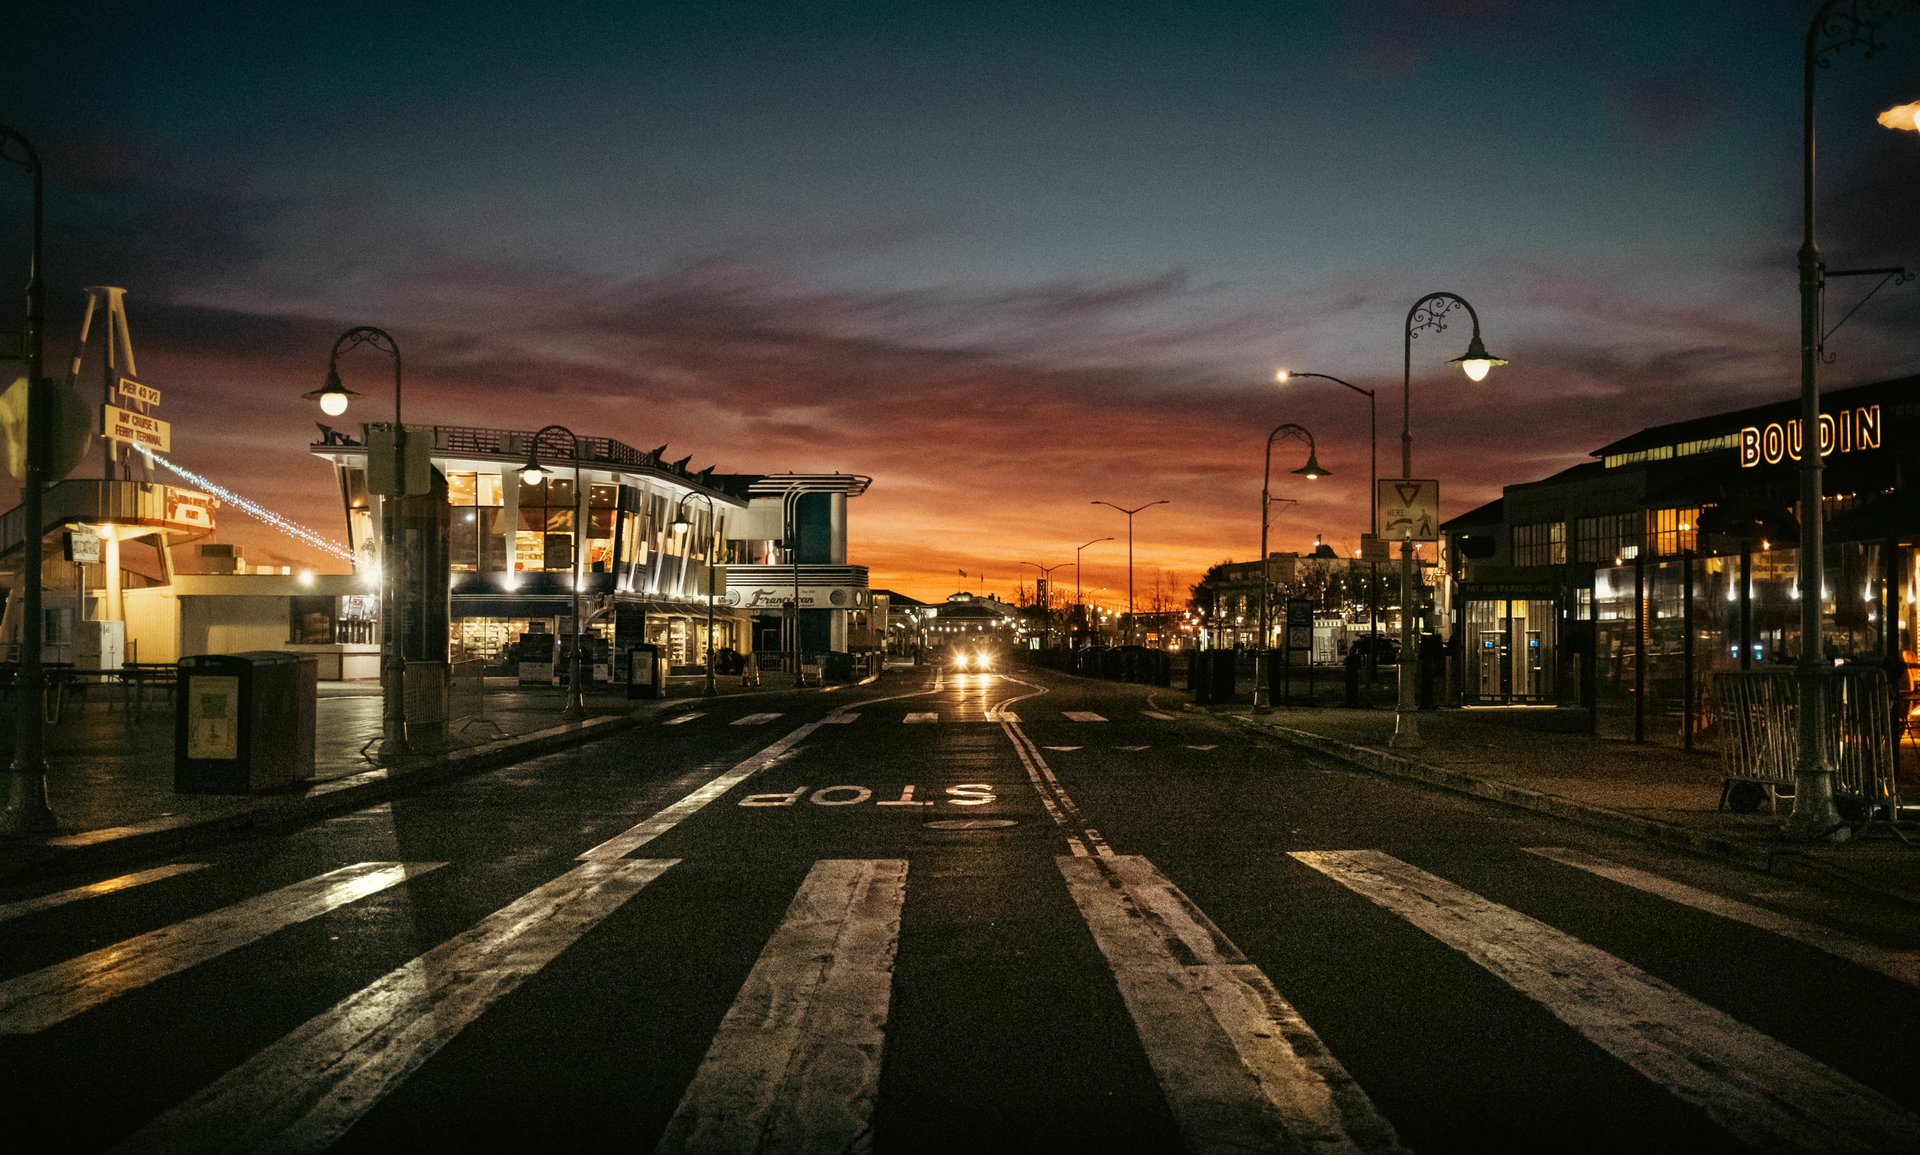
(1381, 649)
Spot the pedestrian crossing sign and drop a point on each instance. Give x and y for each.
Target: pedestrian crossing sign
(1408, 508)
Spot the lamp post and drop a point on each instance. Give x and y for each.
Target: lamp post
(1373, 484)
(682, 524)
(1262, 700)
(1130, 513)
(1046, 610)
(1429, 312)
(1077, 603)
(1837, 24)
(26, 810)
(333, 398)
(575, 706)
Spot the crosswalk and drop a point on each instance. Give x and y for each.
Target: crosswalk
(796, 1063)
(923, 717)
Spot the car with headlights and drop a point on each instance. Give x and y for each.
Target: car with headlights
(972, 659)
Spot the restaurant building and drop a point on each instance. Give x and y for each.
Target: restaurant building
(1625, 582)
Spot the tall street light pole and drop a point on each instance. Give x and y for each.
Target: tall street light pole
(681, 524)
(1079, 606)
(1046, 609)
(1262, 700)
(1429, 312)
(575, 706)
(1373, 482)
(26, 810)
(333, 398)
(1836, 25)
(1130, 513)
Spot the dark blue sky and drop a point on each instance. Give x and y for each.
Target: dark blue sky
(1006, 259)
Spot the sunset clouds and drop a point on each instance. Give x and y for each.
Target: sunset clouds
(1008, 269)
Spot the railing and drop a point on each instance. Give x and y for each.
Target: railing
(1758, 712)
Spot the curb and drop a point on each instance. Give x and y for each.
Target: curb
(94, 849)
(1784, 861)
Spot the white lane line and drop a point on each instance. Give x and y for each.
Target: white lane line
(754, 719)
(34, 1002)
(1161, 715)
(1133, 749)
(1202, 748)
(1083, 715)
(795, 1065)
(1002, 716)
(1903, 965)
(681, 719)
(1241, 1070)
(922, 716)
(1765, 1093)
(1063, 749)
(95, 890)
(303, 1092)
(638, 835)
(840, 717)
(1082, 838)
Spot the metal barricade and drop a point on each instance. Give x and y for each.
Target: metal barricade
(1758, 713)
(467, 695)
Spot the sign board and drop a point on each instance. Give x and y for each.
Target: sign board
(187, 507)
(137, 393)
(213, 716)
(147, 432)
(1408, 508)
(811, 597)
(1299, 624)
(83, 546)
(1374, 548)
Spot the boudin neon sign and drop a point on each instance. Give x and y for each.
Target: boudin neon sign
(1841, 432)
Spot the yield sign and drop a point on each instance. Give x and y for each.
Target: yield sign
(1409, 508)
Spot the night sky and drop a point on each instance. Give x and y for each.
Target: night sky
(1005, 259)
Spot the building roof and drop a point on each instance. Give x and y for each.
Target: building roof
(1719, 425)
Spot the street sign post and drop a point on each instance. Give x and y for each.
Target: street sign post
(1409, 508)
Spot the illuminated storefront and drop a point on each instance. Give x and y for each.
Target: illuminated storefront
(1624, 583)
(653, 540)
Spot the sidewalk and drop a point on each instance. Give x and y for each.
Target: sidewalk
(1657, 793)
(110, 777)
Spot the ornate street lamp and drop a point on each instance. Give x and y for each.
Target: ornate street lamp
(26, 810)
(681, 524)
(1429, 312)
(1836, 25)
(1130, 513)
(1262, 700)
(333, 398)
(575, 706)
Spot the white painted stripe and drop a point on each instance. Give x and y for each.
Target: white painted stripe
(1765, 1093)
(1903, 965)
(1133, 749)
(755, 719)
(1063, 749)
(1201, 748)
(34, 1002)
(303, 1092)
(679, 719)
(95, 890)
(840, 717)
(1002, 716)
(1240, 1069)
(795, 1065)
(1083, 715)
(634, 837)
(1161, 715)
(922, 716)
(1081, 837)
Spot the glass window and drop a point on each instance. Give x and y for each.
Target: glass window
(1543, 543)
(1673, 531)
(462, 489)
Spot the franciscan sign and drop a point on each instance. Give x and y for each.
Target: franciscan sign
(1841, 432)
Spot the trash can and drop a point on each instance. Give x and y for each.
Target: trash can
(245, 722)
(646, 672)
(836, 666)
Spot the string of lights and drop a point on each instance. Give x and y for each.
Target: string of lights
(254, 509)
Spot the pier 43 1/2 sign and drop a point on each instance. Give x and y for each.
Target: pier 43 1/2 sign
(1841, 432)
